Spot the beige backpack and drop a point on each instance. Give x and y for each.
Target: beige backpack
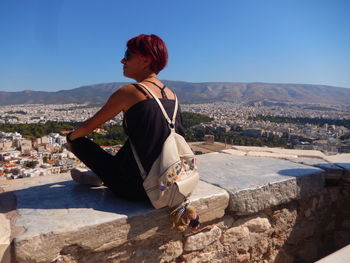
(173, 175)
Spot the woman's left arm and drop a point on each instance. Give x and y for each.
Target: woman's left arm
(115, 104)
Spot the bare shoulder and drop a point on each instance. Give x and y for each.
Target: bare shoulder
(125, 90)
(127, 96)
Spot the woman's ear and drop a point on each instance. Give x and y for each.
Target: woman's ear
(146, 61)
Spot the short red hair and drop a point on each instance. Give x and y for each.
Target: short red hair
(150, 46)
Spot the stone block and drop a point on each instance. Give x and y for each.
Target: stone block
(234, 152)
(172, 250)
(343, 161)
(5, 230)
(272, 155)
(256, 183)
(5, 253)
(258, 224)
(282, 257)
(250, 148)
(300, 153)
(235, 234)
(226, 222)
(245, 257)
(308, 252)
(202, 239)
(301, 232)
(57, 213)
(332, 171)
(208, 257)
(333, 193)
(295, 152)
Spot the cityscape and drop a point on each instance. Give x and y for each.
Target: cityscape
(22, 157)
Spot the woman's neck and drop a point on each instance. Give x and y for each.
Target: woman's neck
(146, 77)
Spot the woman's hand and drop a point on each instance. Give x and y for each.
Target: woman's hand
(69, 145)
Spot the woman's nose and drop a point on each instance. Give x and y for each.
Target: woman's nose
(123, 61)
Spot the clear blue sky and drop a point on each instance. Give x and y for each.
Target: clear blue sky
(54, 44)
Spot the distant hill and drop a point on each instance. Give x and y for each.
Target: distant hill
(194, 93)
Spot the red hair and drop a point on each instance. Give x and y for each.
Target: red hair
(150, 46)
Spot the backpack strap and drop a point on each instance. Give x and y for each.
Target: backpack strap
(141, 90)
(170, 121)
(137, 159)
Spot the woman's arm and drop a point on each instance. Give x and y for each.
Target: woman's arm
(116, 103)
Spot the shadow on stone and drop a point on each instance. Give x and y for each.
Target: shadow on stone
(87, 224)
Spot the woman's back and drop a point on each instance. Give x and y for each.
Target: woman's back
(147, 127)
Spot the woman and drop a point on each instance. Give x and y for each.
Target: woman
(143, 122)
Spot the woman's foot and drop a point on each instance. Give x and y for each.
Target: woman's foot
(85, 177)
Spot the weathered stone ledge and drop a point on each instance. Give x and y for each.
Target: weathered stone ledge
(57, 213)
(244, 200)
(257, 183)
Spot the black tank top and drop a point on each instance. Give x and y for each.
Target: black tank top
(147, 128)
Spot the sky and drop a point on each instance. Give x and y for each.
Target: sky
(52, 45)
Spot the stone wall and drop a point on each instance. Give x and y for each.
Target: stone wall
(300, 231)
(289, 208)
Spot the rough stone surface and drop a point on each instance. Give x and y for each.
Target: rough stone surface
(243, 257)
(5, 230)
(257, 183)
(202, 239)
(272, 155)
(299, 153)
(226, 222)
(5, 239)
(301, 220)
(308, 252)
(257, 224)
(208, 257)
(5, 255)
(56, 213)
(235, 234)
(332, 171)
(343, 161)
(282, 257)
(172, 250)
(234, 152)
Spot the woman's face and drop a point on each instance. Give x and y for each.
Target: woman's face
(134, 64)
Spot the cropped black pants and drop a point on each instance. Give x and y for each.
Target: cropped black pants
(119, 173)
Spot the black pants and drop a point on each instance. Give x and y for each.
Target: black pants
(119, 173)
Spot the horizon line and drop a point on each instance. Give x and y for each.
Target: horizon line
(204, 82)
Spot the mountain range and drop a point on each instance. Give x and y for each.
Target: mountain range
(188, 92)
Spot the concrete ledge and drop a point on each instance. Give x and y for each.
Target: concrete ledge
(57, 213)
(257, 183)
